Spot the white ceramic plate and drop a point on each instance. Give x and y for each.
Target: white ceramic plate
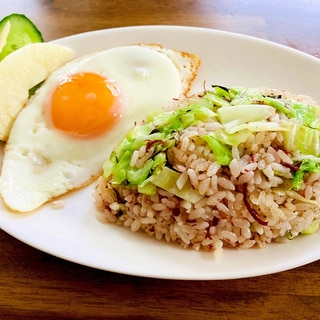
(74, 234)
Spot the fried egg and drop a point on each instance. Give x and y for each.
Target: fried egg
(60, 140)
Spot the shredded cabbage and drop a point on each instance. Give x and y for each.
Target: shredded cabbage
(240, 112)
(312, 228)
(167, 180)
(302, 138)
(221, 151)
(306, 166)
(245, 113)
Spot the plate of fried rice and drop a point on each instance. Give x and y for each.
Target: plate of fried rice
(221, 184)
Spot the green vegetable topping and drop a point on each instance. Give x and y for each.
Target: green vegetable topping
(306, 166)
(167, 179)
(312, 228)
(302, 138)
(19, 31)
(156, 137)
(245, 113)
(222, 153)
(142, 158)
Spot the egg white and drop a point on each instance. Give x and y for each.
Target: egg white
(41, 163)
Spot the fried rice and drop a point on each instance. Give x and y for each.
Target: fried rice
(230, 167)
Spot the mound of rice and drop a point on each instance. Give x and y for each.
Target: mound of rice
(250, 199)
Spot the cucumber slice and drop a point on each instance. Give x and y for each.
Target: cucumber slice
(19, 31)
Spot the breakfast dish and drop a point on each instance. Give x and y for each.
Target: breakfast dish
(112, 248)
(229, 167)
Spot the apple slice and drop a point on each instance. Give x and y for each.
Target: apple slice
(22, 70)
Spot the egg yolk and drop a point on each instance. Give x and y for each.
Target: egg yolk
(85, 104)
